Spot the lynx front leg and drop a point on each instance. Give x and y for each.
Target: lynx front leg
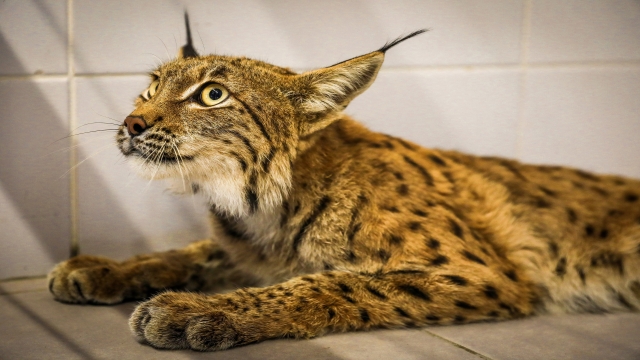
(93, 279)
(312, 305)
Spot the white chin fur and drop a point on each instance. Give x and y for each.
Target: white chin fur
(219, 179)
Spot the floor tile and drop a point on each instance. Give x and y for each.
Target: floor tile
(34, 326)
(583, 336)
(22, 285)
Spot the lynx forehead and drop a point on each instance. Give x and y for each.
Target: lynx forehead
(327, 226)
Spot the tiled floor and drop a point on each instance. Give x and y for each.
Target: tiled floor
(33, 326)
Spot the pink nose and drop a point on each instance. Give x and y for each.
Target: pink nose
(135, 125)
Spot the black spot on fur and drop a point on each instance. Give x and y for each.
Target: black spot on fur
(490, 292)
(351, 256)
(509, 165)
(511, 274)
(428, 178)
(375, 292)
(589, 230)
(600, 191)
(604, 233)
(582, 275)
(419, 213)
(541, 203)
(436, 159)
(348, 298)
(439, 260)
(364, 315)
(473, 257)
(252, 199)
(586, 175)
(459, 319)
(561, 267)
(432, 318)
(548, 192)
(266, 162)
(571, 214)
(396, 240)
(414, 291)
(493, 314)
(392, 209)
(322, 205)
(331, 313)
(433, 244)
(456, 229)
(456, 279)
(345, 288)
(415, 226)
(553, 249)
(464, 305)
(247, 143)
(631, 197)
(402, 312)
(403, 190)
(216, 255)
(76, 285)
(608, 259)
(383, 255)
(308, 279)
(405, 144)
(256, 119)
(622, 300)
(614, 212)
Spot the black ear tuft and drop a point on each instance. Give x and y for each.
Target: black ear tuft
(187, 50)
(395, 42)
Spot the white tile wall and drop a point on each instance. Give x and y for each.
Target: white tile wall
(585, 31)
(34, 186)
(297, 34)
(469, 110)
(540, 80)
(33, 37)
(589, 118)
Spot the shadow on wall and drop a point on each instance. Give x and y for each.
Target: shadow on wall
(34, 168)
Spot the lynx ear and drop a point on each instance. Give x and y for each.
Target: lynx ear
(331, 89)
(187, 51)
(323, 92)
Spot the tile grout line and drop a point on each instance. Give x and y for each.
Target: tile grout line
(73, 123)
(524, 74)
(425, 68)
(458, 345)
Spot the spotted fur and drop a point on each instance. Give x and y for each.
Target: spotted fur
(327, 226)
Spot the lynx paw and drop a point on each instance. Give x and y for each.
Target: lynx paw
(184, 321)
(87, 279)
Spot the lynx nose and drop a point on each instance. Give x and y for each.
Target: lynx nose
(135, 125)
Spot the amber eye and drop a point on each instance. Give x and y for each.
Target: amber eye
(153, 87)
(213, 94)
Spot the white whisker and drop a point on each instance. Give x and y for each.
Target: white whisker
(101, 149)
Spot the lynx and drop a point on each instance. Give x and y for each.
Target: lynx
(322, 225)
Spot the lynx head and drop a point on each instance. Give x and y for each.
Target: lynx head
(232, 127)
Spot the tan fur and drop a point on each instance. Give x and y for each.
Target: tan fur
(338, 228)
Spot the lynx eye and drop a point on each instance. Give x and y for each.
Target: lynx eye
(153, 87)
(213, 94)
